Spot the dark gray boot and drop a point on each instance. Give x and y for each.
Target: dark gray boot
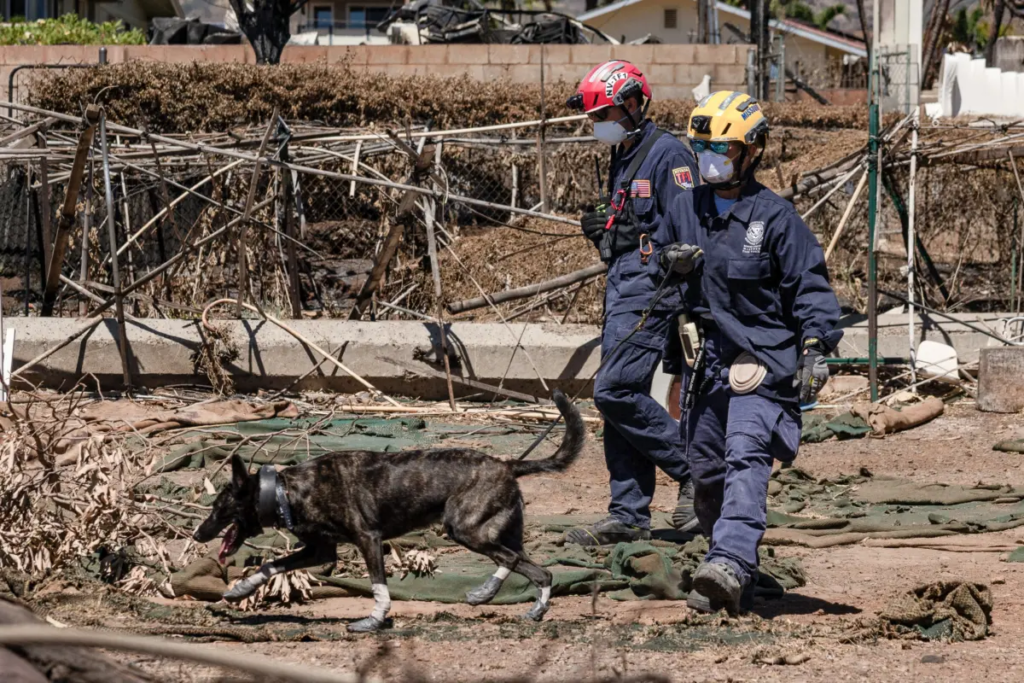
(684, 518)
(608, 531)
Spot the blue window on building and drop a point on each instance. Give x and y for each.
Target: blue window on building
(323, 17)
(366, 17)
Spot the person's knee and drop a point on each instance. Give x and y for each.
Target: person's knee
(747, 449)
(610, 399)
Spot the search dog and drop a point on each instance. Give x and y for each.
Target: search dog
(365, 498)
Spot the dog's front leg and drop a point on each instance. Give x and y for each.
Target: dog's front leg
(310, 555)
(373, 552)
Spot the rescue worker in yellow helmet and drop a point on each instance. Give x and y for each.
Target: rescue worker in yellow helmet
(757, 320)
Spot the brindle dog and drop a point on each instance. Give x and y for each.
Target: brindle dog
(366, 498)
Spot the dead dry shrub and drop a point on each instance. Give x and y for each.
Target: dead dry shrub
(179, 98)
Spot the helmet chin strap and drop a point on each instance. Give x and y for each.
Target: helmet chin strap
(744, 176)
(637, 124)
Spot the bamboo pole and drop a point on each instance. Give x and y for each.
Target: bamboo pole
(846, 216)
(243, 268)
(68, 212)
(528, 291)
(435, 271)
(122, 333)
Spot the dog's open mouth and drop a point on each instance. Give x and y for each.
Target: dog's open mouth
(230, 543)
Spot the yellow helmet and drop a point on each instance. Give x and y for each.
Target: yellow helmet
(728, 116)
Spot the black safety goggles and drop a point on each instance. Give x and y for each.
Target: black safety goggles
(718, 147)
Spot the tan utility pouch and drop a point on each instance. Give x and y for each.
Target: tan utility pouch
(689, 336)
(746, 373)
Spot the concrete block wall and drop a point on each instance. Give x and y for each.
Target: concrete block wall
(672, 70)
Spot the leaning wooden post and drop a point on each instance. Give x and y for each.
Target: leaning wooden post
(243, 267)
(67, 214)
(429, 209)
(108, 189)
(44, 209)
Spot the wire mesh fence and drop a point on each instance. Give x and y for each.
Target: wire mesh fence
(335, 218)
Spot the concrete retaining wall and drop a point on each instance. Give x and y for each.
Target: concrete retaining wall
(270, 358)
(672, 70)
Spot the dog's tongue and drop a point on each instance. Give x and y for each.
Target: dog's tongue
(227, 543)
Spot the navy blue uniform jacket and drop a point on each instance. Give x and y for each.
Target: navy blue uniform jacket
(762, 280)
(668, 172)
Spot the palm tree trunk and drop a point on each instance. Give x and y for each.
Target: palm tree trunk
(864, 25)
(993, 33)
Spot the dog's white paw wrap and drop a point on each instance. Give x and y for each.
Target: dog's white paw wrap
(501, 573)
(367, 625)
(381, 602)
(540, 608)
(249, 584)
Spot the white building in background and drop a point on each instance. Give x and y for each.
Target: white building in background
(809, 50)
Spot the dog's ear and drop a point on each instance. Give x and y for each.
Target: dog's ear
(239, 473)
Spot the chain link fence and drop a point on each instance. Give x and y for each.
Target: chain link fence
(336, 220)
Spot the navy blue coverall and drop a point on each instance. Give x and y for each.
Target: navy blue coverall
(640, 434)
(761, 287)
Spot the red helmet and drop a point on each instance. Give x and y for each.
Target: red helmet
(609, 85)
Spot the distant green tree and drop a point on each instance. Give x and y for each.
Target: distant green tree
(69, 29)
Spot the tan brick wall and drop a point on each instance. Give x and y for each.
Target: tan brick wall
(673, 70)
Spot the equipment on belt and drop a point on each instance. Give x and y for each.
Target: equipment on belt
(689, 337)
(746, 373)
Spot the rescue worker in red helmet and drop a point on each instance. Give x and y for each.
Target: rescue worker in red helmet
(649, 169)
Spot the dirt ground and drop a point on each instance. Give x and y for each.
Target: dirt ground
(584, 638)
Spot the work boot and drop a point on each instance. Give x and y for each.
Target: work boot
(700, 603)
(608, 531)
(720, 585)
(684, 518)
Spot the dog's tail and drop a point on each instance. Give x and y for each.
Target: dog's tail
(572, 442)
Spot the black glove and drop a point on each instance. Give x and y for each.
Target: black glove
(811, 372)
(593, 223)
(680, 258)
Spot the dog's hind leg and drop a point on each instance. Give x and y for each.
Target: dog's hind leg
(373, 552)
(541, 578)
(506, 561)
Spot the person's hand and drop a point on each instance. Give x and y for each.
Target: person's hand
(811, 372)
(680, 258)
(594, 222)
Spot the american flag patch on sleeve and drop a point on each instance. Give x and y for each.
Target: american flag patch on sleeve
(640, 188)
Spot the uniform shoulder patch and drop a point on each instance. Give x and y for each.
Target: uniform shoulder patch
(683, 177)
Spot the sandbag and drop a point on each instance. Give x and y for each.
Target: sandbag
(885, 420)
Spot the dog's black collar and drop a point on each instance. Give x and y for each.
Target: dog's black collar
(272, 506)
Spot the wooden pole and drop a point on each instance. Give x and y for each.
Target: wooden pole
(541, 162)
(108, 190)
(528, 291)
(435, 270)
(83, 306)
(68, 212)
(846, 215)
(287, 201)
(44, 210)
(243, 266)
(1020, 188)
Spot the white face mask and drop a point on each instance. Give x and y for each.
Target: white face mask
(715, 168)
(609, 132)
